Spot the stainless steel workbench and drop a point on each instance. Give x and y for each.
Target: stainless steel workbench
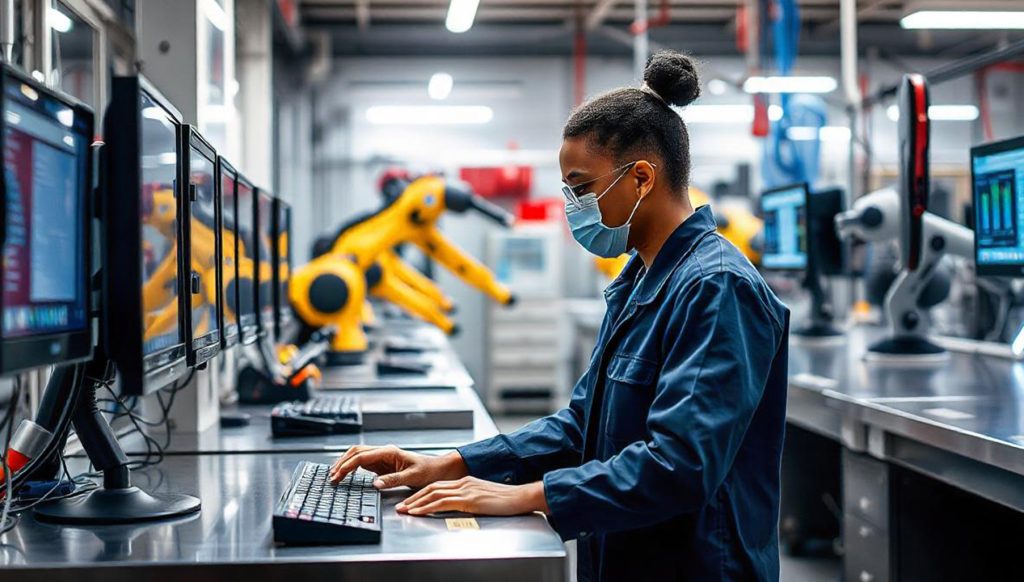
(231, 538)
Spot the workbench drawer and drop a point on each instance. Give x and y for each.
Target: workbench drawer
(866, 489)
(867, 556)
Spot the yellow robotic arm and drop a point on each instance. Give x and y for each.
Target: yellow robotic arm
(390, 261)
(387, 284)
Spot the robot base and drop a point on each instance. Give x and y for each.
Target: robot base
(817, 330)
(345, 359)
(906, 350)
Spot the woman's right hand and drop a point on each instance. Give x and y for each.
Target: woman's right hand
(396, 467)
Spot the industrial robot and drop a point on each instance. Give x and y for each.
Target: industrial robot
(332, 288)
(925, 238)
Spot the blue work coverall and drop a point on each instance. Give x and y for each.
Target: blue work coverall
(665, 465)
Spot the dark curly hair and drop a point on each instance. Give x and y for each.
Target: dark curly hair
(630, 122)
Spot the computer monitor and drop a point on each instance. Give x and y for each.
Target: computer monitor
(283, 264)
(785, 228)
(141, 276)
(201, 304)
(997, 179)
(265, 268)
(245, 213)
(826, 254)
(47, 185)
(229, 252)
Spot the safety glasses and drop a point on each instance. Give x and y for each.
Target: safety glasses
(573, 193)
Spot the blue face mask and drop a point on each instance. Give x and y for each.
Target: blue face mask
(584, 217)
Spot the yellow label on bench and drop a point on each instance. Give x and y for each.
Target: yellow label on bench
(462, 523)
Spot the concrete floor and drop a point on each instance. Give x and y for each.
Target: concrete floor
(792, 569)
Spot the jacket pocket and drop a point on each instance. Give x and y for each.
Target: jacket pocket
(630, 391)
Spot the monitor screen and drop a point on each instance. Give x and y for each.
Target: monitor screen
(827, 255)
(785, 229)
(203, 239)
(159, 209)
(265, 228)
(284, 252)
(46, 153)
(246, 255)
(998, 183)
(227, 233)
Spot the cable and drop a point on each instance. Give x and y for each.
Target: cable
(5, 525)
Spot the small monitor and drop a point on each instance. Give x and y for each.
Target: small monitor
(47, 185)
(785, 228)
(245, 214)
(265, 255)
(201, 303)
(826, 253)
(997, 176)
(283, 264)
(229, 251)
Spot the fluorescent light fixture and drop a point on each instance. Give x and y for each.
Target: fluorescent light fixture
(216, 15)
(461, 14)
(440, 86)
(718, 114)
(827, 133)
(717, 87)
(790, 85)
(429, 114)
(58, 20)
(774, 112)
(940, 112)
(964, 20)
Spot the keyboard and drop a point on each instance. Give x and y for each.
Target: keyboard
(312, 511)
(320, 415)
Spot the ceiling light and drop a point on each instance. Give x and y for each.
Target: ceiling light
(440, 86)
(790, 85)
(964, 20)
(717, 87)
(718, 114)
(827, 133)
(58, 20)
(940, 112)
(774, 112)
(461, 14)
(429, 114)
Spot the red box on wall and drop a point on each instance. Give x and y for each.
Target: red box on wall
(503, 182)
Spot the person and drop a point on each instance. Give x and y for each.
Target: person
(666, 462)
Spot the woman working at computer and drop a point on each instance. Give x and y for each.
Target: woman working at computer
(665, 463)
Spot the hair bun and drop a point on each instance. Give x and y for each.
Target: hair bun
(673, 77)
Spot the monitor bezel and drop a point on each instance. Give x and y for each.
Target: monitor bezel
(760, 206)
(24, 353)
(249, 323)
(265, 321)
(122, 318)
(914, 134)
(283, 315)
(203, 348)
(230, 334)
(987, 149)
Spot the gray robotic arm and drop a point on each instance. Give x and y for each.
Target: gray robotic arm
(875, 217)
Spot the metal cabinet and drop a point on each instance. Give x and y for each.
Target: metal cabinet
(866, 519)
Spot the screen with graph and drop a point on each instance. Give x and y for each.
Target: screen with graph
(998, 175)
(785, 228)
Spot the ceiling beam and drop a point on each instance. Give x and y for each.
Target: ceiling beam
(598, 14)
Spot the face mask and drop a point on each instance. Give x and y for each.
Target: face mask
(584, 217)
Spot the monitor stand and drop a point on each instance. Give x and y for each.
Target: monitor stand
(909, 321)
(820, 326)
(117, 501)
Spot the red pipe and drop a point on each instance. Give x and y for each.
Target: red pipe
(663, 18)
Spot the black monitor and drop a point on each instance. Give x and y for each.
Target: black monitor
(47, 187)
(826, 254)
(785, 228)
(229, 251)
(283, 264)
(997, 180)
(141, 275)
(265, 268)
(201, 303)
(245, 213)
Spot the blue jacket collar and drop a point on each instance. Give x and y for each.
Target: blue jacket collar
(675, 249)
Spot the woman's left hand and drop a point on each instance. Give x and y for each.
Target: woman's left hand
(472, 495)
